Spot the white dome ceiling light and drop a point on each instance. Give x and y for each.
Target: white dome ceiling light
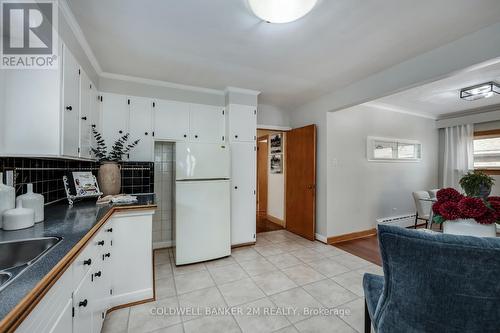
(281, 11)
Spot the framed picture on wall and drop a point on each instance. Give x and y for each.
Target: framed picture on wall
(276, 143)
(276, 163)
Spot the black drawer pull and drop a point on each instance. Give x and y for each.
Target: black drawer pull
(83, 303)
(87, 262)
(98, 274)
(107, 255)
(69, 108)
(84, 118)
(109, 230)
(100, 243)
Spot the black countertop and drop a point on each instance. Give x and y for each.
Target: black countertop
(70, 223)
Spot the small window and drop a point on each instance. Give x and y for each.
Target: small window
(394, 150)
(487, 150)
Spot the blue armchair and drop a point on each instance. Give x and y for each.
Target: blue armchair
(434, 283)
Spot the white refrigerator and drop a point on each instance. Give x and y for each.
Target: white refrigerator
(202, 202)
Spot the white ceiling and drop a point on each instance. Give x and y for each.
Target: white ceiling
(220, 43)
(441, 98)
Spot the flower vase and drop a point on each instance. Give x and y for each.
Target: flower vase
(469, 227)
(109, 178)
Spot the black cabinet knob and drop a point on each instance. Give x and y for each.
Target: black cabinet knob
(120, 131)
(185, 135)
(98, 274)
(84, 118)
(196, 136)
(87, 262)
(83, 303)
(146, 133)
(69, 108)
(236, 136)
(93, 126)
(236, 187)
(100, 243)
(109, 230)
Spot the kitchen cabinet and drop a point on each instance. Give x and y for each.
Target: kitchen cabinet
(115, 117)
(70, 105)
(171, 120)
(243, 191)
(95, 115)
(206, 123)
(86, 114)
(100, 278)
(242, 123)
(141, 128)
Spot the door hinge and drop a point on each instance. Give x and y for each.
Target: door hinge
(111, 291)
(79, 72)
(153, 133)
(111, 242)
(154, 104)
(254, 111)
(223, 138)
(254, 137)
(73, 312)
(102, 315)
(78, 150)
(255, 148)
(128, 101)
(90, 86)
(254, 193)
(222, 112)
(253, 236)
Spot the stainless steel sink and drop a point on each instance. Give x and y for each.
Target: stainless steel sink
(16, 256)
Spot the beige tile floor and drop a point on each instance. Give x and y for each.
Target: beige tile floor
(281, 272)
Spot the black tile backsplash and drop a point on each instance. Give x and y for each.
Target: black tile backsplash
(47, 174)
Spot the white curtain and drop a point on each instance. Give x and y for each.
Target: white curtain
(458, 154)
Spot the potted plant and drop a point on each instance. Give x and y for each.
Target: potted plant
(465, 215)
(109, 175)
(477, 184)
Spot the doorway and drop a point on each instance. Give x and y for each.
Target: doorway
(270, 180)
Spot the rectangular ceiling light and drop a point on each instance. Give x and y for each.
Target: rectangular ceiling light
(483, 90)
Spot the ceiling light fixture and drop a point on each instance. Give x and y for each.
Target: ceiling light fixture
(483, 90)
(281, 11)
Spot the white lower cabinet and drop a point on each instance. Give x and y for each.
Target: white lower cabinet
(114, 268)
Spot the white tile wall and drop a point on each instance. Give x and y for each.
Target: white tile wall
(164, 185)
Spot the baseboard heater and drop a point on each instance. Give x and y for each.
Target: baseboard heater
(401, 221)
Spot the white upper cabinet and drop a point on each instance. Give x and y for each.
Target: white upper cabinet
(171, 120)
(141, 127)
(242, 123)
(70, 107)
(95, 115)
(206, 123)
(115, 117)
(86, 106)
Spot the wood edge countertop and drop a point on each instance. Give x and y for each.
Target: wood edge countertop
(16, 316)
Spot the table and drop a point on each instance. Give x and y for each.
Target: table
(431, 213)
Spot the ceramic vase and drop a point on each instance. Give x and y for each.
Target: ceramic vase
(109, 178)
(469, 227)
(18, 218)
(33, 201)
(7, 198)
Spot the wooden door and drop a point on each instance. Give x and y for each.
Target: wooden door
(301, 181)
(262, 158)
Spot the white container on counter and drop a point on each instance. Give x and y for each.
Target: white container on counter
(33, 201)
(18, 218)
(7, 198)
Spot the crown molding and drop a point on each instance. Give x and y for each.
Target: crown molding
(160, 83)
(484, 109)
(77, 31)
(242, 91)
(387, 107)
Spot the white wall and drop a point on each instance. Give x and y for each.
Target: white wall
(436, 64)
(360, 191)
(272, 116)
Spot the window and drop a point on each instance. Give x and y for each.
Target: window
(487, 150)
(393, 150)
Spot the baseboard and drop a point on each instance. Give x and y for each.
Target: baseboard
(275, 220)
(133, 298)
(242, 245)
(352, 235)
(321, 238)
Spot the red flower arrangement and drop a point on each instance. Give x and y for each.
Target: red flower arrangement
(452, 205)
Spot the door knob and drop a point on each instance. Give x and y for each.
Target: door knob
(69, 108)
(310, 187)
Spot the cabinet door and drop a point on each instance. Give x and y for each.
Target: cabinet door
(171, 120)
(95, 115)
(242, 123)
(64, 322)
(206, 123)
(141, 128)
(115, 117)
(243, 206)
(70, 111)
(83, 304)
(86, 104)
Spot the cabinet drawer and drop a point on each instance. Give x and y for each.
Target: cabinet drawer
(85, 260)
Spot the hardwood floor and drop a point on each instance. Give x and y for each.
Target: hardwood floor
(366, 248)
(264, 225)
